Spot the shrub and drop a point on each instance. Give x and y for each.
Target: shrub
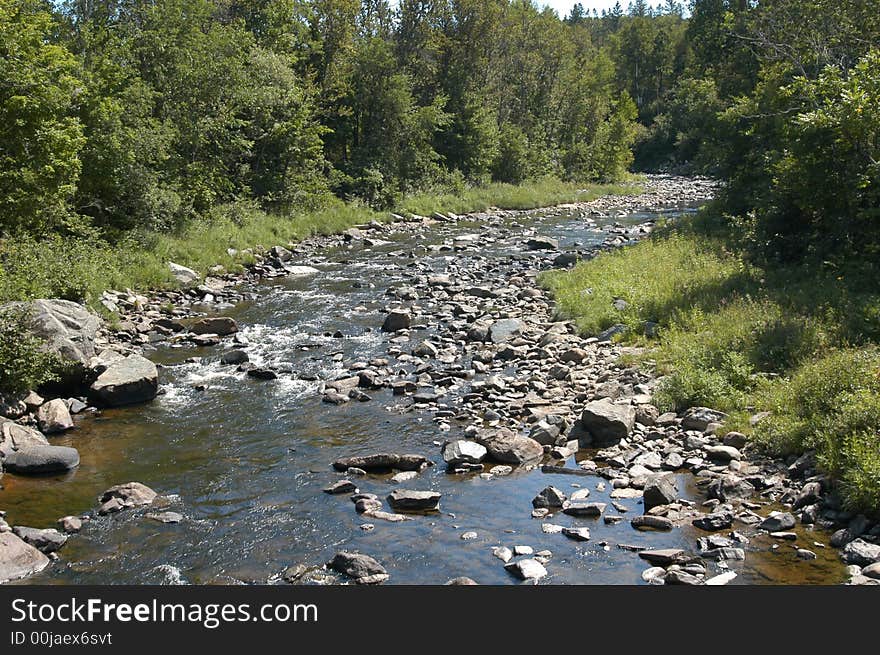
(24, 364)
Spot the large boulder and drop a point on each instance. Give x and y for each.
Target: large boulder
(41, 459)
(507, 447)
(220, 325)
(14, 437)
(700, 418)
(658, 491)
(183, 274)
(69, 330)
(54, 417)
(463, 451)
(46, 541)
(607, 422)
(397, 320)
(132, 379)
(125, 496)
(18, 559)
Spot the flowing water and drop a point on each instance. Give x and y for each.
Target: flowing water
(245, 460)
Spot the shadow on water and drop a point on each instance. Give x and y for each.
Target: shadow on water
(244, 461)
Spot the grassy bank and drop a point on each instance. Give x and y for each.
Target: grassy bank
(82, 268)
(797, 341)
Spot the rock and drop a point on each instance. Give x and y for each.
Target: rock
(68, 329)
(341, 487)
(663, 557)
(12, 407)
(647, 415)
(861, 552)
(652, 522)
(574, 355)
(681, 577)
(362, 568)
(460, 581)
(735, 439)
(54, 417)
(699, 418)
(397, 320)
(18, 559)
(183, 274)
(505, 330)
(298, 271)
(654, 575)
(165, 517)
(720, 579)
(607, 422)
(715, 521)
(872, 571)
(527, 569)
(46, 541)
(508, 447)
(503, 553)
(382, 461)
(578, 534)
(234, 357)
(70, 524)
(728, 487)
(456, 453)
(262, 373)
(133, 379)
(14, 436)
(723, 453)
(549, 497)
(583, 509)
(41, 459)
(425, 349)
(658, 491)
(545, 433)
(810, 493)
(778, 521)
(222, 326)
(406, 500)
(404, 476)
(125, 496)
(542, 243)
(293, 574)
(613, 331)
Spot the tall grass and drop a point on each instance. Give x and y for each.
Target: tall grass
(797, 341)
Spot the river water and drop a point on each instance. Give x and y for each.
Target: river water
(244, 461)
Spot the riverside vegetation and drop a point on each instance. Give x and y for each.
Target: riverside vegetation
(198, 132)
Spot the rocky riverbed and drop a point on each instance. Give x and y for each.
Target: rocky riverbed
(400, 403)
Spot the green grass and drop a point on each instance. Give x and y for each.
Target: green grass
(797, 341)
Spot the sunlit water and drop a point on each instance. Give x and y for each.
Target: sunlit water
(245, 460)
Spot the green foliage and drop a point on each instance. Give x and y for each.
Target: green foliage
(24, 362)
(40, 137)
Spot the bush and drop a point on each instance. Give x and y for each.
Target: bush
(24, 364)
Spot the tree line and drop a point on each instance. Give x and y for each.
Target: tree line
(144, 114)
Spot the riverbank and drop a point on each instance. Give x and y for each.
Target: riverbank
(789, 352)
(82, 268)
(470, 343)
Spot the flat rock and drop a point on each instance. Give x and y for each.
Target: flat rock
(584, 509)
(777, 522)
(363, 569)
(527, 569)
(382, 461)
(662, 557)
(650, 522)
(406, 500)
(463, 451)
(130, 380)
(222, 326)
(45, 540)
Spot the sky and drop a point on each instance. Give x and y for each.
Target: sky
(563, 7)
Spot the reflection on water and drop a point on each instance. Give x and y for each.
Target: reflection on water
(245, 460)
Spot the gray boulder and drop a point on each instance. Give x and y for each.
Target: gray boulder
(382, 461)
(549, 497)
(397, 320)
(14, 437)
(607, 422)
(46, 541)
(133, 379)
(508, 447)
(125, 496)
(54, 416)
(462, 451)
(41, 459)
(69, 330)
(777, 521)
(861, 552)
(363, 569)
(183, 274)
(222, 326)
(658, 491)
(18, 559)
(406, 500)
(699, 418)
